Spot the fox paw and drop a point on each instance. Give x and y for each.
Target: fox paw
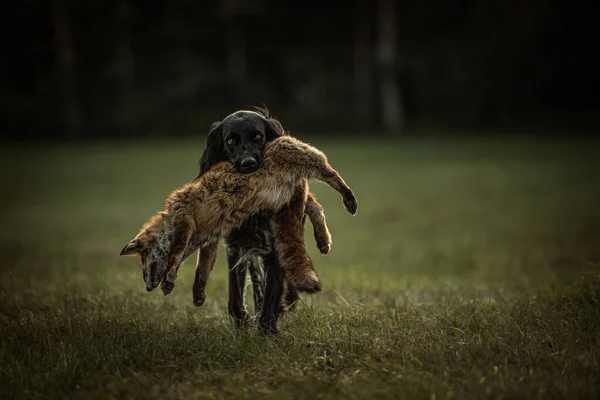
(199, 296)
(166, 287)
(324, 245)
(350, 202)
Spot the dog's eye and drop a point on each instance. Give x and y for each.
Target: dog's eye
(257, 137)
(231, 142)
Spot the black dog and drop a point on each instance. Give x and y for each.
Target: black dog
(240, 139)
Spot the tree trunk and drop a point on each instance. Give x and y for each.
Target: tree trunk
(64, 56)
(235, 63)
(124, 64)
(392, 110)
(236, 50)
(363, 61)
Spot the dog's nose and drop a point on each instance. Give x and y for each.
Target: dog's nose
(248, 163)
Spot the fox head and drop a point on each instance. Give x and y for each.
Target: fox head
(152, 245)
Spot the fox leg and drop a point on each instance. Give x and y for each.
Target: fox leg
(181, 237)
(287, 229)
(331, 177)
(308, 162)
(315, 213)
(204, 266)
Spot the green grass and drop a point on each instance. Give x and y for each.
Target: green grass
(471, 270)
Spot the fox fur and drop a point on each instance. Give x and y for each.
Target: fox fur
(198, 214)
(287, 222)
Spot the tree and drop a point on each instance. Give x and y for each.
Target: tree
(233, 13)
(123, 63)
(64, 61)
(363, 61)
(391, 106)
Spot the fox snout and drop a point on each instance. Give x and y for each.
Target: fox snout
(151, 283)
(151, 286)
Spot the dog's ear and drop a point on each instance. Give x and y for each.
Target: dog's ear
(273, 129)
(132, 248)
(214, 149)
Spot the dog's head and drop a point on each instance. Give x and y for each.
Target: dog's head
(152, 245)
(240, 139)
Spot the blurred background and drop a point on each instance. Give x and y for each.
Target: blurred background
(471, 270)
(88, 69)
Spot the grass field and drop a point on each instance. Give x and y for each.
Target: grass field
(471, 270)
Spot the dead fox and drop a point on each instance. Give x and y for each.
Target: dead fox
(289, 223)
(198, 214)
(240, 139)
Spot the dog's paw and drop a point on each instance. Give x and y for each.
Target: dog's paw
(267, 330)
(350, 202)
(243, 320)
(288, 308)
(166, 287)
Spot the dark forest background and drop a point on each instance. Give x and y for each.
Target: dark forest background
(89, 68)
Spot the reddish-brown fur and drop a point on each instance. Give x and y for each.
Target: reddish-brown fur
(290, 238)
(240, 138)
(201, 212)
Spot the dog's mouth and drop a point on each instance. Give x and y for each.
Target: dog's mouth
(245, 169)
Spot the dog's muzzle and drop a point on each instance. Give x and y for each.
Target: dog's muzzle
(248, 164)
